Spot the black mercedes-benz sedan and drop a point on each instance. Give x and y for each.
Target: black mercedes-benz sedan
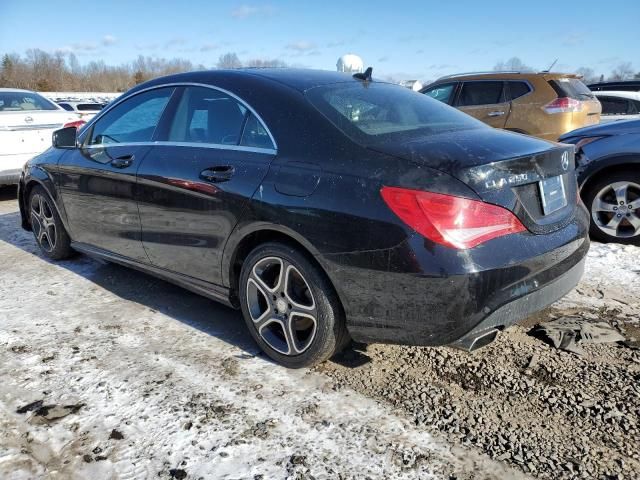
(326, 207)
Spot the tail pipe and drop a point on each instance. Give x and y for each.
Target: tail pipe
(475, 340)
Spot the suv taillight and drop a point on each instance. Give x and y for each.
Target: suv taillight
(563, 105)
(455, 222)
(77, 124)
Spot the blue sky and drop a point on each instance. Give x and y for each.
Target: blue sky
(407, 39)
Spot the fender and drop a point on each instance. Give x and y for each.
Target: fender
(586, 172)
(252, 226)
(37, 174)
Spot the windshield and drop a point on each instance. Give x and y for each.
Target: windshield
(371, 113)
(24, 101)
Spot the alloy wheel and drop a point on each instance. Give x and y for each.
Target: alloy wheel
(281, 306)
(616, 209)
(43, 222)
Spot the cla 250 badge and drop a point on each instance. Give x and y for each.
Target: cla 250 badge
(511, 180)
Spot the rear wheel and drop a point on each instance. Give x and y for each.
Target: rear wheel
(614, 203)
(50, 234)
(290, 307)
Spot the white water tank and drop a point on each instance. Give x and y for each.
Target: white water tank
(350, 63)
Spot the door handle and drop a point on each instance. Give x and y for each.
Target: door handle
(497, 113)
(221, 173)
(122, 162)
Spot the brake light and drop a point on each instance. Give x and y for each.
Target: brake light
(75, 123)
(455, 222)
(563, 105)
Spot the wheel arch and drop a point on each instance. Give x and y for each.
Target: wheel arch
(39, 177)
(239, 248)
(607, 166)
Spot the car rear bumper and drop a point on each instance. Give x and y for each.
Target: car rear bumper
(421, 294)
(10, 177)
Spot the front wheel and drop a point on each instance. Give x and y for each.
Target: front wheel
(290, 307)
(614, 204)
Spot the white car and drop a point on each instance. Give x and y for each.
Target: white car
(86, 110)
(619, 105)
(27, 121)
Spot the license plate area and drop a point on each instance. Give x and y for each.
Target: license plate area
(552, 194)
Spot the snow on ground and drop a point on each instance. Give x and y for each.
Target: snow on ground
(151, 381)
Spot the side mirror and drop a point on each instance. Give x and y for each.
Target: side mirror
(65, 137)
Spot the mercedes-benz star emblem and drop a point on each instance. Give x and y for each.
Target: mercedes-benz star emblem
(565, 160)
(28, 119)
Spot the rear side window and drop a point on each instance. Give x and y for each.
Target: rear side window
(616, 106)
(255, 135)
(133, 120)
(24, 101)
(518, 89)
(481, 93)
(205, 115)
(371, 113)
(444, 92)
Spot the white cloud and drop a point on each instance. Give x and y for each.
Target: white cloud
(109, 40)
(175, 42)
(207, 47)
(301, 46)
(244, 11)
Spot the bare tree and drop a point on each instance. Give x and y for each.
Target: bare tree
(623, 71)
(514, 64)
(229, 60)
(261, 62)
(587, 74)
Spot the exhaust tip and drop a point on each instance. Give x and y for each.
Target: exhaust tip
(473, 341)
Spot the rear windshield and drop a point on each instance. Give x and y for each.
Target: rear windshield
(24, 101)
(572, 88)
(370, 113)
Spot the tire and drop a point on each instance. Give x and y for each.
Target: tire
(48, 230)
(615, 199)
(280, 287)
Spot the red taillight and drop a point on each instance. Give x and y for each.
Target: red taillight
(76, 123)
(455, 222)
(563, 105)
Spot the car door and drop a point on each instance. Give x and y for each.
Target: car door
(97, 181)
(195, 184)
(484, 100)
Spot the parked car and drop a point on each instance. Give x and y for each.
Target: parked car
(323, 206)
(86, 110)
(619, 105)
(544, 105)
(616, 86)
(27, 121)
(608, 166)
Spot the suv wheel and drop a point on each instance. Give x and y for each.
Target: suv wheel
(614, 203)
(47, 227)
(290, 307)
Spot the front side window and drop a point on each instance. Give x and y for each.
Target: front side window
(441, 92)
(24, 101)
(205, 115)
(370, 113)
(133, 120)
(481, 93)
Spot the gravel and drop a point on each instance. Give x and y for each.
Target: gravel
(549, 413)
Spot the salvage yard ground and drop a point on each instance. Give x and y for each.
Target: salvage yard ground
(109, 373)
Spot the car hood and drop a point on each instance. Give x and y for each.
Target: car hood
(619, 127)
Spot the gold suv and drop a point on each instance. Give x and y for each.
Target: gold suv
(544, 104)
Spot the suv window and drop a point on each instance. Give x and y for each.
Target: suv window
(205, 115)
(443, 92)
(572, 88)
(481, 93)
(133, 120)
(518, 89)
(614, 105)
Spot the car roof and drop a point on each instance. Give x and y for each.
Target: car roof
(505, 75)
(617, 93)
(297, 78)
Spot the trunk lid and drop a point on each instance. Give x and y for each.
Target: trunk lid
(23, 132)
(503, 168)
